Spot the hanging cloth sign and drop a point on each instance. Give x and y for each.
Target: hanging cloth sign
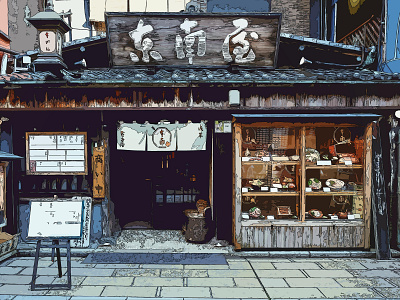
(131, 136)
(161, 137)
(192, 136)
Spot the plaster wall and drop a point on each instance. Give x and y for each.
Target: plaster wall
(22, 34)
(295, 16)
(78, 17)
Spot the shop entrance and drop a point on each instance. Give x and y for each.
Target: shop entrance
(152, 189)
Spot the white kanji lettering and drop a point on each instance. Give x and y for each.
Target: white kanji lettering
(239, 37)
(189, 41)
(143, 45)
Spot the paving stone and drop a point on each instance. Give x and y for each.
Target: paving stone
(185, 273)
(294, 293)
(138, 298)
(81, 290)
(185, 292)
(261, 265)
(271, 260)
(206, 267)
(342, 265)
(273, 282)
(231, 273)
(374, 273)
(137, 272)
(389, 292)
(159, 281)
(246, 282)
(101, 298)
(330, 254)
(296, 266)
(129, 291)
(44, 279)
(91, 272)
(312, 282)
(395, 280)
(328, 273)
(363, 282)
(381, 265)
(9, 297)
(19, 289)
(279, 273)
(40, 297)
(29, 263)
(74, 264)
(107, 280)
(43, 271)
(222, 282)
(116, 266)
(15, 279)
(10, 270)
(314, 260)
(349, 292)
(75, 280)
(239, 265)
(237, 292)
(161, 266)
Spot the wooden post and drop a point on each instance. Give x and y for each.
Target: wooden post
(237, 186)
(303, 174)
(379, 203)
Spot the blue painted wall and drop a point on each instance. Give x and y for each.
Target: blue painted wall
(238, 6)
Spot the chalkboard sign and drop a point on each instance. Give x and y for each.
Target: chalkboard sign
(55, 219)
(56, 153)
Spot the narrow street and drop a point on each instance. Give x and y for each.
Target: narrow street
(241, 278)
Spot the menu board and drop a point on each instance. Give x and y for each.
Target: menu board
(56, 153)
(55, 219)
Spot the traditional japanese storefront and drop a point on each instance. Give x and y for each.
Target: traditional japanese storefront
(160, 136)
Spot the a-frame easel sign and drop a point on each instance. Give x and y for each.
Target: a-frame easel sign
(57, 222)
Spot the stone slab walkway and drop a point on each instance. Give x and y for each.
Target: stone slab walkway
(242, 278)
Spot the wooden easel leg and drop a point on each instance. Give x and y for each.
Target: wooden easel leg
(58, 258)
(35, 265)
(52, 251)
(69, 264)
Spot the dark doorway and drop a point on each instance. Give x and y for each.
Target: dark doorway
(156, 187)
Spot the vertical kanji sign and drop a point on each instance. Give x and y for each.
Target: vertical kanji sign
(98, 172)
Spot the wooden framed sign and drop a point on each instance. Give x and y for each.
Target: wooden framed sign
(56, 153)
(193, 39)
(55, 219)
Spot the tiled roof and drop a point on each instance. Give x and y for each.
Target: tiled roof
(187, 76)
(27, 77)
(227, 76)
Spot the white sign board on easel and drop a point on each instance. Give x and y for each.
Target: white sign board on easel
(56, 219)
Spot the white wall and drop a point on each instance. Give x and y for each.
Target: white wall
(77, 19)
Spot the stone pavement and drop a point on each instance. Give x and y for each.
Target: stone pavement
(241, 278)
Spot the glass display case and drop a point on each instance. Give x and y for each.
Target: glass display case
(334, 175)
(270, 173)
(306, 180)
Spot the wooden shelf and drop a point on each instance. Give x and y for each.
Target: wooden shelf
(333, 167)
(271, 194)
(344, 193)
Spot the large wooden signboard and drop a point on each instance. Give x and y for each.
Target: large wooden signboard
(55, 219)
(193, 39)
(56, 153)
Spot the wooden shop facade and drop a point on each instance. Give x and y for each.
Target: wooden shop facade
(194, 107)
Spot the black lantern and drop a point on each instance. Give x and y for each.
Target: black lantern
(52, 29)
